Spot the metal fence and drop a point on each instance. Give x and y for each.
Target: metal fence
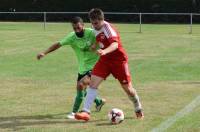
(140, 15)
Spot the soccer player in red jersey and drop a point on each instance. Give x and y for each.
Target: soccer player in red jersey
(113, 60)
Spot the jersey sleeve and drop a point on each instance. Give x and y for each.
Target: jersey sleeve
(66, 40)
(110, 34)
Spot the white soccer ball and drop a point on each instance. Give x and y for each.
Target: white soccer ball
(116, 116)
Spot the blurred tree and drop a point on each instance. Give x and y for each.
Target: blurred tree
(187, 6)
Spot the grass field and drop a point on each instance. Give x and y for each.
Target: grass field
(35, 96)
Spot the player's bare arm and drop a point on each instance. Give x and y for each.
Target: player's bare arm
(109, 49)
(50, 49)
(94, 47)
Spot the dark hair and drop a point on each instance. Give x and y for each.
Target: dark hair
(76, 20)
(96, 14)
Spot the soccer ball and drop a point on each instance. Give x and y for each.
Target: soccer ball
(116, 116)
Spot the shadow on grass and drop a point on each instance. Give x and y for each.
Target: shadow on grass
(20, 122)
(37, 117)
(106, 123)
(15, 123)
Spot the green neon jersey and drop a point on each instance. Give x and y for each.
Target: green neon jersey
(81, 46)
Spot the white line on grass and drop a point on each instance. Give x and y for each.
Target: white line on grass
(170, 121)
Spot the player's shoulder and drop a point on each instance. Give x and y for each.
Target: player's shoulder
(109, 30)
(89, 30)
(71, 34)
(106, 23)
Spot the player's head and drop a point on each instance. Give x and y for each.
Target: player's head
(78, 26)
(96, 18)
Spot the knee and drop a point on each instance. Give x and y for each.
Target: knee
(80, 86)
(93, 85)
(130, 91)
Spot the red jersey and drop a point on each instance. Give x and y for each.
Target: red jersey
(105, 37)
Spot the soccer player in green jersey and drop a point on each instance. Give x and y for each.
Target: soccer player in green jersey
(81, 41)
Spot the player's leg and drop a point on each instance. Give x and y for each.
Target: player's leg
(133, 96)
(122, 73)
(83, 83)
(80, 94)
(100, 102)
(99, 73)
(90, 97)
(79, 98)
(92, 92)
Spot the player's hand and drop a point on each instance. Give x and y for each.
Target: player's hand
(40, 55)
(101, 52)
(93, 47)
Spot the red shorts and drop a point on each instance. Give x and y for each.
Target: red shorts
(119, 69)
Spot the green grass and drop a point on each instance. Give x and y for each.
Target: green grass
(36, 95)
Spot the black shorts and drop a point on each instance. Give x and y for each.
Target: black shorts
(80, 76)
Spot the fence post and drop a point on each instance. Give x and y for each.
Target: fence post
(45, 19)
(140, 30)
(191, 22)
